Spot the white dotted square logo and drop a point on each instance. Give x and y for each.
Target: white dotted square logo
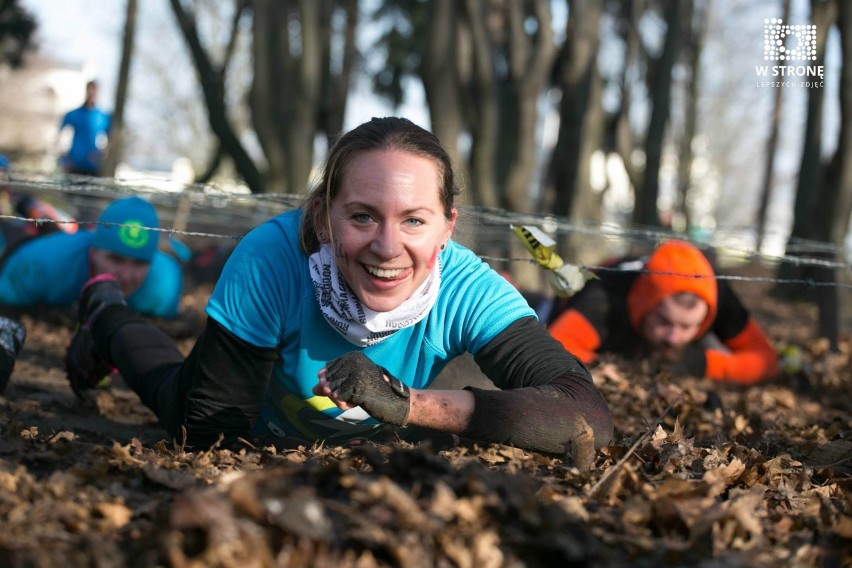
(777, 37)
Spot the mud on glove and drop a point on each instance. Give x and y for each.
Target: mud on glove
(12, 336)
(358, 380)
(691, 363)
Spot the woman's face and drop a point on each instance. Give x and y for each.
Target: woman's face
(388, 225)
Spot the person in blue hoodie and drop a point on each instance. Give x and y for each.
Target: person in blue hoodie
(51, 270)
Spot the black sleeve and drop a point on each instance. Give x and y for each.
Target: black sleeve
(592, 301)
(547, 391)
(228, 377)
(731, 315)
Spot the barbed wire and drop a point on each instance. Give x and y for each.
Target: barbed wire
(488, 217)
(553, 225)
(602, 268)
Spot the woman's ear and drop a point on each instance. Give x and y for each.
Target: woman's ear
(451, 224)
(319, 215)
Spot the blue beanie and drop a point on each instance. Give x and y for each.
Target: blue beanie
(126, 234)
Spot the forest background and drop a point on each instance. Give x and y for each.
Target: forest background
(610, 124)
(635, 119)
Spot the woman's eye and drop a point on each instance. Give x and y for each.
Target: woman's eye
(361, 218)
(414, 222)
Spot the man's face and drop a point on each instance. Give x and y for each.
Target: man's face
(91, 94)
(671, 325)
(130, 273)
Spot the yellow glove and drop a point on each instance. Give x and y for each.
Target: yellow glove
(566, 279)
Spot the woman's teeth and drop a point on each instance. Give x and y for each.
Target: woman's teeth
(383, 273)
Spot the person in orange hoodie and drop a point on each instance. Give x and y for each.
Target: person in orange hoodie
(668, 305)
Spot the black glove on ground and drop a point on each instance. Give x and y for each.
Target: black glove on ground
(12, 336)
(358, 380)
(691, 363)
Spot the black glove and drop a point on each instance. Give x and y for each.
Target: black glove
(12, 336)
(691, 363)
(358, 380)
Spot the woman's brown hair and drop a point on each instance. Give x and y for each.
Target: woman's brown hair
(389, 133)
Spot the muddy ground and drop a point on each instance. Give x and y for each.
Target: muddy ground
(699, 474)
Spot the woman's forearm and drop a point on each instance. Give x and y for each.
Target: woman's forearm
(444, 410)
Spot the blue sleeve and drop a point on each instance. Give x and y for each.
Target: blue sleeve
(47, 270)
(478, 302)
(160, 293)
(260, 283)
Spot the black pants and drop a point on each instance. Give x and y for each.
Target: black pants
(215, 391)
(149, 362)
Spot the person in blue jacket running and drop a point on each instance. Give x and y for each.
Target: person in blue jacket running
(330, 322)
(91, 131)
(51, 270)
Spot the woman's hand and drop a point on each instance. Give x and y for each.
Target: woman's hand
(354, 380)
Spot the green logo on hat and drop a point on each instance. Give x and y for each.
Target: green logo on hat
(133, 234)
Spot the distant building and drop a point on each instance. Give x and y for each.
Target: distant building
(33, 100)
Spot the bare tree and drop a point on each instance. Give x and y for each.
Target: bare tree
(838, 175)
(771, 149)
(484, 65)
(212, 76)
(568, 190)
(838, 189)
(693, 49)
(17, 26)
(116, 135)
(660, 83)
(299, 88)
(440, 72)
(808, 206)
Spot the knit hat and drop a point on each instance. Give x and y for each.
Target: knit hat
(669, 271)
(121, 229)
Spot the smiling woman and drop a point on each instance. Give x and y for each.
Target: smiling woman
(330, 322)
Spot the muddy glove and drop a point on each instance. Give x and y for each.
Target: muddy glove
(12, 336)
(691, 363)
(358, 380)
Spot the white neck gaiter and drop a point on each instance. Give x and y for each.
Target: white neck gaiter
(359, 324)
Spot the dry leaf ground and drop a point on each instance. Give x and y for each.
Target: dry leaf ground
(700, 474)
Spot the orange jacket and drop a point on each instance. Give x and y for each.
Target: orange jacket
(607, 314)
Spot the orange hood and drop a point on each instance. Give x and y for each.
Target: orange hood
(676, 266)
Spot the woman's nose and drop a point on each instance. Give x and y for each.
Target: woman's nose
(388, 243)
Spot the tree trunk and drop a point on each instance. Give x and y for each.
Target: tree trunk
(484, 116)
(645, 212)
(440, 74)
(335, 86)
(698, 29)
(623, 138)
(838, 188)
(576, 72)
(771, 148)
(839, 173)
(531, 60)
(213, 88)
(809, 186)
(116, 135)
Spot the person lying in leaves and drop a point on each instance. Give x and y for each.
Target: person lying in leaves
(332, 320)
(52, 269)
(669, 305)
